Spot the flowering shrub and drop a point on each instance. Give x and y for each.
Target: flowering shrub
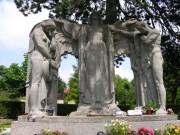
(132, 132)
(145, 131)
(142, 131)
(117, 127)
(1, 117)
(52, 132)
(1, 128)
(172, 130)
(158, 132)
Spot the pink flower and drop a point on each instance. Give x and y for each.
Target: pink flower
(2, 117)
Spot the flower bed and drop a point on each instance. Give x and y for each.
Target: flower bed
(121, 127)
(51, 132)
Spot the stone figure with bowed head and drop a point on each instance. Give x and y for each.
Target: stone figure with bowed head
(93, 45)
(53, 84)
(38, 66)
(143, 53)
(152, 57)
(127, 40)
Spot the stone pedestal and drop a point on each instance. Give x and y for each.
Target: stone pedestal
(86, 125)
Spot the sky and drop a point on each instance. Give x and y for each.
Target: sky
(14, 40)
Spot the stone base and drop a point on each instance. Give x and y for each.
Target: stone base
(86, 125)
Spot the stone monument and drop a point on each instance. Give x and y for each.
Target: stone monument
(95, 45)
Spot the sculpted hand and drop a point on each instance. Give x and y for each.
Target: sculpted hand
(113, 29)
(143, 38)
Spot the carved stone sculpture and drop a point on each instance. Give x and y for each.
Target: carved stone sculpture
(96, 68)
(152, 62)
(95, 53)
(146, 62)
(38, 77)
(95, 45)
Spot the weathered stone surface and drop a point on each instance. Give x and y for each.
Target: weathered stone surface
(87, 125)
(62, 119)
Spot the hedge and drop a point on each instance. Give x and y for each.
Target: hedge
(11, 109)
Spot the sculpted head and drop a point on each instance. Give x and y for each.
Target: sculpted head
(126, 25)
(95, 18)
(48, 25)
(142, 27)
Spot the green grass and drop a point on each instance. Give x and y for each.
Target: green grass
(5, 124)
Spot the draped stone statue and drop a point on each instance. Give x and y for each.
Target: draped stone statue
(95, 53)
(95, 45)
(146, 61)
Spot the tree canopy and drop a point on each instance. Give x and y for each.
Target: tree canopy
(165, 13)
(125, 91)
(12, 80)
(73, 93)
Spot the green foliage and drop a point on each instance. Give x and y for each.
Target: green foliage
(118, 127)
(52, 132)
(4, 95)
(12, 79)
(124, 91)
(151, 105)
(158, 132)
(171, 55)
(73, 93)
(172, 130)
(24, 64)
(61, 86)
(3, 111)
(11, 109)
(1, 127)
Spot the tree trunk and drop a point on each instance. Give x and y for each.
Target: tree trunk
(111, 12)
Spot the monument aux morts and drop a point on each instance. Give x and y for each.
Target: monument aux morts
(95, 45)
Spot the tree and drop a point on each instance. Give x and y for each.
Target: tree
(12, 80)
(61, 86)
(73, 93)
(171, 54)
(163, 14)
(125, 91)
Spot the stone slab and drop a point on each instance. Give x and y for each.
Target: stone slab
(86, 125)
(24, 118)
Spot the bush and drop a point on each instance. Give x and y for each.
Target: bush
(3, 110)
(11, 109)
(117, 127)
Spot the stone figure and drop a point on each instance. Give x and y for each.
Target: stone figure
(146, 62)
(96, 67)
(127, 31)
(93, 45)
(152, 62)
(53, 84)
(38, 77)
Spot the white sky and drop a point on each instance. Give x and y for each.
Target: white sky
(14, 40)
